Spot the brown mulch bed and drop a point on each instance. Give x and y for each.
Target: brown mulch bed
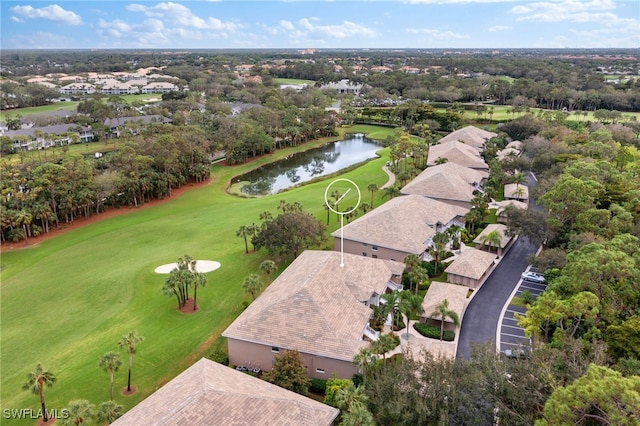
(188, 307)
(82, 221)
(124, 391)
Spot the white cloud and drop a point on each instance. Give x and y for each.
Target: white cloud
(53, 12)
(567, 10)
(16, 19)
(438, 34)
(287, 25)
(344, 30)
(454, 1)
(497, 28)
(39, 40)
(180, 15)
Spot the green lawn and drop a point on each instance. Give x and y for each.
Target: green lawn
(71, 106)
(504, 113)
(293, 81)
(69, 300)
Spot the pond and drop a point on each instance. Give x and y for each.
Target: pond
(305, 166)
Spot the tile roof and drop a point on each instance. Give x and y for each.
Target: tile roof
(449, 181)
(438, 291)
(502, 230)
(470, 135)
(456, 152)
(403, 223)
(471, 263)
(54, 129)
(315, 306)
(511, 188)
(502, 205)
(211, 393)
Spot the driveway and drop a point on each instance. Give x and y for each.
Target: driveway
(480, 320)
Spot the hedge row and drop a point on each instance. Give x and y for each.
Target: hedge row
(433, 332)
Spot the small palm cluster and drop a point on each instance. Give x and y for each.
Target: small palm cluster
(81, 411)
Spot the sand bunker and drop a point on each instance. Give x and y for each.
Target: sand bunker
(203, 266)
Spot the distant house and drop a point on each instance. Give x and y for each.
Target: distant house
(470, 135)
(318, 308)
(49, 136)
(134, 124)
(471, 268)
(450, 183)
(455, 294)
(502, 246)
(402, 226)
(344, 86)
(518, 192)
(513, 149)
(210, 393)
(456, 152)
(78, 89)
(159, 87)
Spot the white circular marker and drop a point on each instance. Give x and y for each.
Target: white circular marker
(342, 196)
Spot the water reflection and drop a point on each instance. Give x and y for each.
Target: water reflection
(304, 166)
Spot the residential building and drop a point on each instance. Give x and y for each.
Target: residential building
(456, 152)
(518, 192)
(159, 87)
(450, 183)
(134, 124)
(49, 136)
(402, 226)
(344, 86)
(210, 393)
(317, 307)
(457, 297)
(470, 135)
(501, 207)
(504, 241)
(78, 89)
(471, 268)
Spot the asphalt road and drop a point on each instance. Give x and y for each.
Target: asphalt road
(480, 321)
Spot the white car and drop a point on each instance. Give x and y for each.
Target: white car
(533, 276)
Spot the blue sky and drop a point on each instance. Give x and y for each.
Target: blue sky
(38, 24)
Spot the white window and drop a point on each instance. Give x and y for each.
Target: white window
(319, 370)
(374, 248)
(364, 254)
(275, 349)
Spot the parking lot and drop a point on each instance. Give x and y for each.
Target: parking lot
(513, 341)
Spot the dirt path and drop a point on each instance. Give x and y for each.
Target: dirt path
(82, 221)
(392, 178)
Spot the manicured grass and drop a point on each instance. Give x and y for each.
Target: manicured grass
(293, 81)
(69, 300)
(504, 113)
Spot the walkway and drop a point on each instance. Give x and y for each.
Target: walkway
(417, 344)
(392, 177)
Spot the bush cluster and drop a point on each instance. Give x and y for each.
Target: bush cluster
(428, 330)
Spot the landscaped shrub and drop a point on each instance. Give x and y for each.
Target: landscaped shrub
(428, 330)
(318, 386)
(219, 357)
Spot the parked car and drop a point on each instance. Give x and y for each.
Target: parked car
(533, 276)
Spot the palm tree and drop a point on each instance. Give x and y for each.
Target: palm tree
(110, 363)
(252, 285)
(519, 179)
(36, 382)
(24, 218)
(358, 415)
(244, 232)
(443, 311)
(491, 239)
(384, 344)
(364, 207)
(336, 196)
(198, 280)
(80, 412)
(268, 267)
(409, 305)
(363, 359)
(129, 342)
(391, 306)
(372, 187)
(391, 191)
(109, 411)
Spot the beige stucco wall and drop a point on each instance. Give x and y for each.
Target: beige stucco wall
(358, 248)
(256, 355)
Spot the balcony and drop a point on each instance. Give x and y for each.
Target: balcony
(370, 333)
(394, 286)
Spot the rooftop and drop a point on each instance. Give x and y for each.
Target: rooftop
(211, 393)
(315, 306)
(414, 219)
(471, 263)
(449, 181)
(455, 294)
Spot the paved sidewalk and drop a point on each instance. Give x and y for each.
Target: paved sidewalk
(392, 177)
(417, 344)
